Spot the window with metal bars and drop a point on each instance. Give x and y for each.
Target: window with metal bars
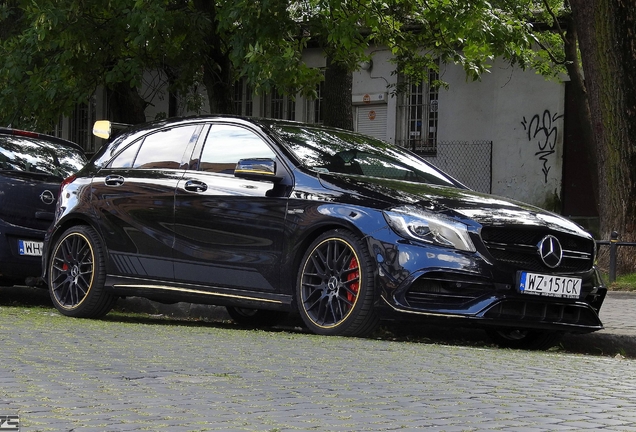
(279, 106)
(313, 109)
(56, 129)
(418, 116)
(243, 102)
(81, 125)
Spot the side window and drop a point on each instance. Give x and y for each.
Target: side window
(163, 149)
(227, 144)
(125, 158)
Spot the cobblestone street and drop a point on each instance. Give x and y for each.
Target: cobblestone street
(123, 374)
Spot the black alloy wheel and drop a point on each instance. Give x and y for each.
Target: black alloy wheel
(335, 289)
(524, 339)
(76, 275)
(255, 317)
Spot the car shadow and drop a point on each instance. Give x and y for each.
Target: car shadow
(24, 296)
(142, 311)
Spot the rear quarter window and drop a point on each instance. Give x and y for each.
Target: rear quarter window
(36, 156)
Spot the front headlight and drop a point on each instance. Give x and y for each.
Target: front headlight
(414, 223)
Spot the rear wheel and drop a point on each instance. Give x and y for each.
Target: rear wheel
(255, 317)
(76, 275)
(335, 288)
(525, 339)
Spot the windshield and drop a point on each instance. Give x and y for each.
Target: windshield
(342, 152)
(36, 156)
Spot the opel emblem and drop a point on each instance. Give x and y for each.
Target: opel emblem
(550, 251)
(47, 197)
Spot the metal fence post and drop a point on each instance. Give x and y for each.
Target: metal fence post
(613, 248)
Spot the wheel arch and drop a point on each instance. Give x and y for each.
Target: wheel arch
(60, 229)
(306, 240)
(76, 265)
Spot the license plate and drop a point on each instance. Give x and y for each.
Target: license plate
(549, 285)
(33, 248)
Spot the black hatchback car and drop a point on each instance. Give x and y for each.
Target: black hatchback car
(32, 167)
(267, 217)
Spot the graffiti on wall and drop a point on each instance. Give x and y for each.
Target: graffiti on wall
(543, 130)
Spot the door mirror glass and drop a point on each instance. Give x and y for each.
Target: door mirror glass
(256, 169)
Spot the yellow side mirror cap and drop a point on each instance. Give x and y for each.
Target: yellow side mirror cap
(102, 129)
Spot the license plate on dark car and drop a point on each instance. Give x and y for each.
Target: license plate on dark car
(32, 248)
(550, 285)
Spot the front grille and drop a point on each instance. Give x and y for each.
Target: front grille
(446, 290)
(519, 310)
(517, 247)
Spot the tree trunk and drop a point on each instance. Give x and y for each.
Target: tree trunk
(337, 98)
(217, 77)
(125, 105)
(582, 115)
(607, 39)
(217, 66)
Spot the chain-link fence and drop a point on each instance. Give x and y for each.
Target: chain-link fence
(468, 162)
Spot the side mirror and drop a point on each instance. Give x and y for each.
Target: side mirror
(257, 169)
(104, 128)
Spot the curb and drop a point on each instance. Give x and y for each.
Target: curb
(601, 343)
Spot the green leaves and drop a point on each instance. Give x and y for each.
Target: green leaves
(55, 53)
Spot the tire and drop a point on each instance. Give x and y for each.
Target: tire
(255, 317)
(525, 339)
(335, 290)
(76, 275)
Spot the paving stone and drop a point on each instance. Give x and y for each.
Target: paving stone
(117, 375)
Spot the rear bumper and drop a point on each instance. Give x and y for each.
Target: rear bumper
(12, 264)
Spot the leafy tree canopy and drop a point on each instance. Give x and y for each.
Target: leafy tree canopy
(55, 53)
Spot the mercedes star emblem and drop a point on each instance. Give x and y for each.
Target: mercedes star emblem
(550, 251)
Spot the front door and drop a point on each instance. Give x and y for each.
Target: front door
(229, 230)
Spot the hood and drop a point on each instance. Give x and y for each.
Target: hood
(464, 204)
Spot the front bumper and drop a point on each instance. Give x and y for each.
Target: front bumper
(439, 284)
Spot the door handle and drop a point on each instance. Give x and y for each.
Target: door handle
(195, 186)
(114, 180)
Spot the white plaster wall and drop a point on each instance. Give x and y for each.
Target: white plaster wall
(522, 114)
(379, 79)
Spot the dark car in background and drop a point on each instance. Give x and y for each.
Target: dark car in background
(268, 217)
(32, 167)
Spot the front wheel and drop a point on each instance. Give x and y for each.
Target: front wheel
(335, 288)
(76, 275)
(525, 339)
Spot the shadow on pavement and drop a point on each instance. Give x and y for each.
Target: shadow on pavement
(24, 296)
(136, 310)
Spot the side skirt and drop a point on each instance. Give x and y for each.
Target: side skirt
(165, 292)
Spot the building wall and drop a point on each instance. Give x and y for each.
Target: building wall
(519, 111)
(375, 81)
(522, 114)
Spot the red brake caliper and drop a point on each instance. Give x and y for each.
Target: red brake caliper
(351, 296)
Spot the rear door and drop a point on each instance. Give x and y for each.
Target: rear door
(134, 195)
(229, 230)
